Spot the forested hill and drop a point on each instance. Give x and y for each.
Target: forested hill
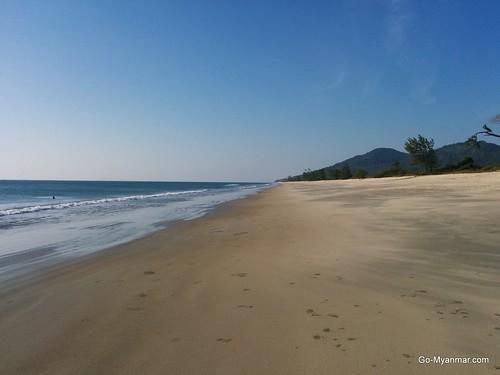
(380, 160)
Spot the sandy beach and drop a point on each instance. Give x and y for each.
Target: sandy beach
(330, 277)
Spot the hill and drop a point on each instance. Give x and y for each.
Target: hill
(487, 154)
(375, 161)
(382, 159)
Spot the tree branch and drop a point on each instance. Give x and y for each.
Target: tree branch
(487, 133)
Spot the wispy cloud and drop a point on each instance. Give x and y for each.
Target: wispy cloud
(423, 70)
(399, 18)
(337, 79)
(371, 84)
(423, 89)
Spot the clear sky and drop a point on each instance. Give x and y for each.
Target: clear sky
(236, 90)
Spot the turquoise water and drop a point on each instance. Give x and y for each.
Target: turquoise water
(47, 221)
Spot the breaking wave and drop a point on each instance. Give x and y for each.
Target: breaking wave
(45, 207)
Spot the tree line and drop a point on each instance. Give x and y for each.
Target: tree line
(344, 173)
(421, 151)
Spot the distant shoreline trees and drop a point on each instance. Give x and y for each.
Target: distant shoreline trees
(344, 173)
(361, 173)
(421, 151)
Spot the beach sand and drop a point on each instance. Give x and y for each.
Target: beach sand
(333, 277)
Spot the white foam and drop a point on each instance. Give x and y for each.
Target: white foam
(36, 208)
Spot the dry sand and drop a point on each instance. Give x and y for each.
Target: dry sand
(341, 277)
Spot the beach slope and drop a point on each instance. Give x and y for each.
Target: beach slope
(334, 277)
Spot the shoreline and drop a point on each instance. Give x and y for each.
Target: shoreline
(37, 272)
(45, 265)
(354, 276)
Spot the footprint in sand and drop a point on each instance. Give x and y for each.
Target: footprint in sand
(143, 295)
(312, 312)
(247, 290)
(245, 306)
(333, 315)
(241, 274)
(149, 272)
(292, 283)
(406, 355)
(134, 308)
(351, 338)
(175, 339)
(497, 314)
(240, 233)
(316, 337)
(224, 340)
(326, 329)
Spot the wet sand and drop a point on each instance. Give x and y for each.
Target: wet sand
(339, 277)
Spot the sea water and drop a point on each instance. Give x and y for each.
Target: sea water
(42, 222)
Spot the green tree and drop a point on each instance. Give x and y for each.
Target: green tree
(466, 163)
(345, 172)
(396, 168)
(333, 174)
(361, 173)
(316, 175)
(421, 151)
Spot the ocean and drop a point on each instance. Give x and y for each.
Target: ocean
(42, 222)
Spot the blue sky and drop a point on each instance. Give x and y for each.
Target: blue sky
(236, 90)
